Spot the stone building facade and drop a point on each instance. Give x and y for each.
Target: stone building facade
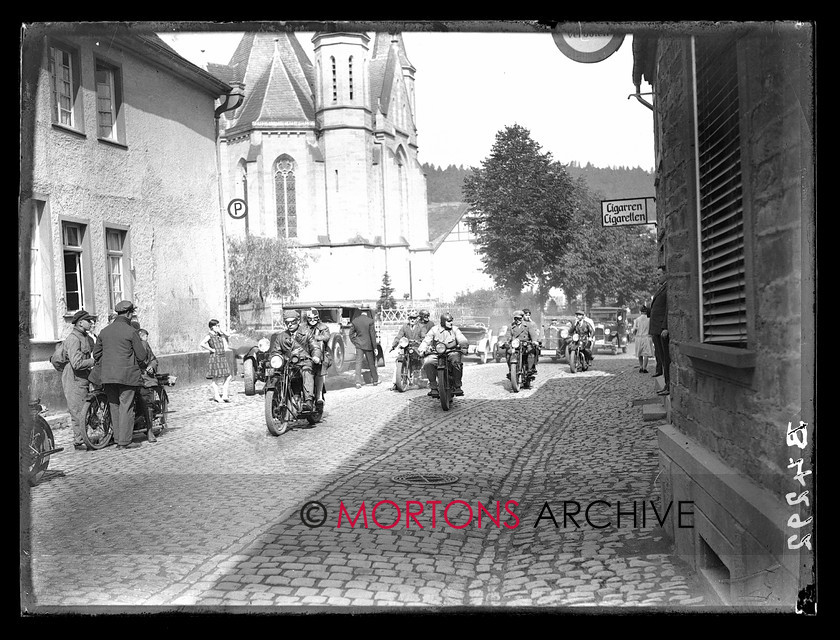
(734, 130)
(324, 152)
(118, 186)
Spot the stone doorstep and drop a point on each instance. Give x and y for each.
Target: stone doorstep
(654, 400)
(654, 412)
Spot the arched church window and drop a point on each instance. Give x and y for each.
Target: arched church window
(350, 75)
(334, 80)
(284, 192)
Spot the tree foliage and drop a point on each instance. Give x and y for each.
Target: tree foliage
(606, 264)
(386, 294)
(521, 206)
(259, 267)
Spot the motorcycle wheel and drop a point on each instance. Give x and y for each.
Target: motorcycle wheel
(41, 440)
(443, 390)
(514, 377)
(572, 357)
(404, 376)
(97, 432)
(497, 356)
(277, 417)
(250, 379)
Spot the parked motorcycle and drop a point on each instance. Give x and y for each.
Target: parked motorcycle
(576, 356)
(254, 364)
(446, 389)
(284, 395)
(98, 431)
(41, 444)
(520, 374)
(410, 363)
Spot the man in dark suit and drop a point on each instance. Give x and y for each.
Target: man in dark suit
(117, 353)
(363, 336)
(659, 330)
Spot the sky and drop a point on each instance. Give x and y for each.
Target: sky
(471, 85)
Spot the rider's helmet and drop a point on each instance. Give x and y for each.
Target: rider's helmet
(413, 314)
(291, 319)
(444, 318)
(424, 315)
(518, 315)
(312, 316)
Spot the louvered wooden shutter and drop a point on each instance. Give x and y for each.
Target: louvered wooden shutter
(721, 208)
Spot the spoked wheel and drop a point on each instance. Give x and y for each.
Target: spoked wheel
(514, 377)
(572, 357)
(404, 377)
(277, 415)
(250, 377)
(338, 357)
(443, 390)
(42, 440)
(97, 432)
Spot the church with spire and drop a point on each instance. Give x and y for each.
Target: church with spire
(324, 153)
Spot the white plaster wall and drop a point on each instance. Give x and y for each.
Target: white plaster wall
(458, 268)
(161, 184)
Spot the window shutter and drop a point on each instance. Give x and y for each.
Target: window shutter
(721, 206)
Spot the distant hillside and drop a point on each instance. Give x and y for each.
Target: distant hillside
(444, 185)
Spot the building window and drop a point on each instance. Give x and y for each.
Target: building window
(108, 101)
(334, 80)
(721, 213)
(116, 250)
(350, 75)
(72, 240)
(284, 190)
(64, 86)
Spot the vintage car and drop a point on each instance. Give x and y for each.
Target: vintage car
(338, 316)
(555, 331)
(478, 333)
(610, 329)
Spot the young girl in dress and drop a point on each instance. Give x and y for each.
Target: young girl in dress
(218, 367)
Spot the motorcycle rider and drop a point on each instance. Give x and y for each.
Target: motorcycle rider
(292, 341)
(537, 337)
(520, 329)
(585, 327)
(319, 331)
(425, 321)
(414, 331)
(451, 336)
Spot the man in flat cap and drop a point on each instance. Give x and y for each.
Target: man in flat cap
(118, 351)
(78, 346)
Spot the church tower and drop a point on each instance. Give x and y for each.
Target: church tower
(343, 113)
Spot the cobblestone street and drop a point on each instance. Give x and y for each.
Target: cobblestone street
(210, 517)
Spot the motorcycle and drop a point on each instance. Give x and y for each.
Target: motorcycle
(520, 375)
(41, 444)
(98, 431)
(577, 359)
(284, 395)
(446, 390)
(409, 362)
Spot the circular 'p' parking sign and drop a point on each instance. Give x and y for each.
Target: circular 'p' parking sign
(237, 208)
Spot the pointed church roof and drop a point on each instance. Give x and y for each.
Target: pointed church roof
(386, 62)
(278, 76)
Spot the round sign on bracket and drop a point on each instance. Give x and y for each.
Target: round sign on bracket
(237, 208)
(587, 47)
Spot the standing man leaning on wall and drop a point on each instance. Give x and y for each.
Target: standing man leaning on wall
(659, 330)
(74, 378)
(118, 352)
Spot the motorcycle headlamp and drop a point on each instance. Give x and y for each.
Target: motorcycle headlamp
(514, 343)
(263, 344)
(294, 359)
(564, 332)
(575, 336)
(276, 361)
(606, 331)
(403, 342)
(440, 347)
